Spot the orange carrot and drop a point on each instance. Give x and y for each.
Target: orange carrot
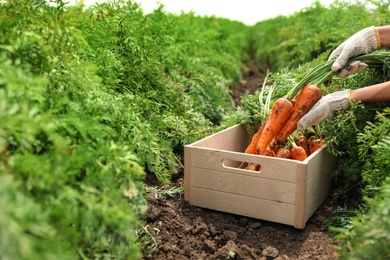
(308, 96)
(310, 139)
(253, 166)
(273, 146)
(283, 152)
(269, 152)
(298, 152)
(280, 112)
(293, 100)
(252, 147)
(302, 142)
(316, 144)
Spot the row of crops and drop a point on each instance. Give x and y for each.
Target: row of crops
(92, 100)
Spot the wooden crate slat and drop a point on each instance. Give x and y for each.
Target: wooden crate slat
(234, 138)
(241, 205)
(320, 161)
(245, 185)
(273, 168)
(316, 200)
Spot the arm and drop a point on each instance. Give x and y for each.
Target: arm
(375, 93)
(327, 105)
(384, 35)
(362, 42)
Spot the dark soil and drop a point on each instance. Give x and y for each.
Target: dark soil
(183, 231)
(253, 75)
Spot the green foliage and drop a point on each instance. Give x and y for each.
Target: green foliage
(313, 31)
(373, 150)
(68, 185)
(206, 59)
(68, 190)
(368, 238)
(341, 218)
(177, 80)
(91, 100)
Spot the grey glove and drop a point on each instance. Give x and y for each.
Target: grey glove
(325, 108)
(362, 42)
(352, 68)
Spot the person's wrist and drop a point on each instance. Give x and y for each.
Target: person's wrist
(350, 101)
(378, 39)
(384, 35)
(346, 99)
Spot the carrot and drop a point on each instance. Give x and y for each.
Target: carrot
(273, 146)
(302, 142)
(269, 152)
(308, 96)
(283, 152)
(298, 152)
(280, 112)
(252, 147)
(316, 144)
(253, 166)
(293, 100)
(310, 139)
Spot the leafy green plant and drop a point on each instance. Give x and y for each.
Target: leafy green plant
(92, 99)
(309, 33)
(373, 148)
(368, 236)
(162, 192)
(68, 181)
(341, 218)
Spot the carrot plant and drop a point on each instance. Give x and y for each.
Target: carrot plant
(92, 100)
(313, 31)
(367, 236)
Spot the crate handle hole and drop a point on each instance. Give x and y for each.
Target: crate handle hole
(226, 163)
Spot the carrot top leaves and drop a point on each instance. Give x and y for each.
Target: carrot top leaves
(322, 72)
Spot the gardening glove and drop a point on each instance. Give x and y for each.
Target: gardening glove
(362, 42)
(352, 68)
(325, 108)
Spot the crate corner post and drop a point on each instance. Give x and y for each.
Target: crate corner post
(300, 196)
(187, 173)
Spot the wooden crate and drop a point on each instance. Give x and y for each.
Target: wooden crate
(285, 191)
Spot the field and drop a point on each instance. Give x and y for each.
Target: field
(97, 104)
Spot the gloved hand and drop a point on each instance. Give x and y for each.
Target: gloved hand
(362, 42)
(352, 68)
(325, 108)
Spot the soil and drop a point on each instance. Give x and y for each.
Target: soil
(183, 231)
(253, 75)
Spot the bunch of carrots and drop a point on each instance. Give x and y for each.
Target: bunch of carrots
(271, 138)
(286, 112)
(296, 149)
